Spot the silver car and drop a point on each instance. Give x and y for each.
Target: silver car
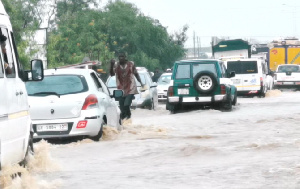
(72, 102)
(146, 97)
(163, 84)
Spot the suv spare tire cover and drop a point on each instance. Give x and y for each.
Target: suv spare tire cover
(205, 82)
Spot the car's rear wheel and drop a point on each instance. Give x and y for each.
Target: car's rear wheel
(235, 98)
(100, 133)
(227, 105)
(205, 82)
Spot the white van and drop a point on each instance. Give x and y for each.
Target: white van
(251, 76)
(15, 122)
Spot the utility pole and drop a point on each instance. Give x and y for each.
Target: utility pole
(194, 45)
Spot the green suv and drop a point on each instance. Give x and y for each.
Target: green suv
(201, 83)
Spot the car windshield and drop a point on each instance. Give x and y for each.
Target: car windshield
(242, 67)
(288, 68)
(164, 80)
(57, 84)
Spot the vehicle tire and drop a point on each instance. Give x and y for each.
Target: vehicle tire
(263, 92)
(29, 151)
(151, 106)
(235, 98)
(173, 109)
(227, 106)
(100, 133)
(205, 82)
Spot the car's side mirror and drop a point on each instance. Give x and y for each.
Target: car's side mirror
(232, 74)
(37, 70)
(118, 93)
(154, 84)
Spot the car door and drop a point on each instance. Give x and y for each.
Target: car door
(105, 101)
(3, 106)
(17, 108)
(113, 109)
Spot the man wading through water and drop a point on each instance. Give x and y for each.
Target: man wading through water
(125, 72)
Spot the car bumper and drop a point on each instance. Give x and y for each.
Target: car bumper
(286, 83)
(91, 128)
(162, 96)
(207, 99)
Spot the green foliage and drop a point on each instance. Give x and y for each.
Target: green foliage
(79, 30)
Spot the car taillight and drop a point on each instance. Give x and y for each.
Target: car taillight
(91, 101)
(171, 91)
(81, 124)
(261, 81)
(223, 89)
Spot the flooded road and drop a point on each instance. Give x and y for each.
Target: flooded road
(257, 145)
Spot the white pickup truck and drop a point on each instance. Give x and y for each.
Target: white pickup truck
(287, 75)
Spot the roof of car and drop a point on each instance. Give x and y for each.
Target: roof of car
(197, 60)
(67, 71)
(167, 73)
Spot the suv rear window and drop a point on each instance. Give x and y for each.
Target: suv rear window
(204, 67)
(242, 67)
(184, 70)
(59, 84)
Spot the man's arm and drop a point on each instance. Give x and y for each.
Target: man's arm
(112, 69)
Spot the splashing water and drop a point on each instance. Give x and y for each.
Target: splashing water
(18, 177)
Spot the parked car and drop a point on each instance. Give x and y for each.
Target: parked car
(72, 102)
(16, 141)
(146, 97)
(202, 82)
(251, 76)
(163, 84)
(287, 75)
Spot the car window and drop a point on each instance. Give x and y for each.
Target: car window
(7, 52)
(104, 87)
(223, 70)
(242, 67)
(183, 71)
(204, 67)
(111, 82)
(96, 81)
(289, 68)
(143, 78)
(60, 84)
(164, 80)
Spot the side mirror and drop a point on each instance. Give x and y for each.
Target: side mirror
(232, 74)
(117, 94)
(154, 84)
(37, 70)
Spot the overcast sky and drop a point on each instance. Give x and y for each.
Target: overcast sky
(259, 19)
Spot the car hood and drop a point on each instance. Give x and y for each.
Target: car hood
(54, 107)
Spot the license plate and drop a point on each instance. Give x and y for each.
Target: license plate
(52, 127)
(183, 91)
(288, 83)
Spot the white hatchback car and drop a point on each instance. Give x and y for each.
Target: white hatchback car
(72, 102)
(163, 84)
